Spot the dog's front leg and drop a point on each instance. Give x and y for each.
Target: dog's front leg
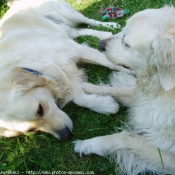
(133, 154)
(122, 94)
(97, 103)
(90, 55)
(90, 32)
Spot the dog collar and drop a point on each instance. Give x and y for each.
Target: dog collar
(32, 71)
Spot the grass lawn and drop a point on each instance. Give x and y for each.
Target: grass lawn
(43, 152)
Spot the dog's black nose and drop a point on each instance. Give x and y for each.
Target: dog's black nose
(102, 45)
(64, 133)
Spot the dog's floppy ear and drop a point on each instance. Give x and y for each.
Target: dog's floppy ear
(26, 80)
(64, 90)
(58, 84)
(164, 55)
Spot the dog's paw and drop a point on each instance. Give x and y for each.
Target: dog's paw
(102, 145)
(82, 147)
(87, 147)
(113, 25)
(104, 105)
(110, 105)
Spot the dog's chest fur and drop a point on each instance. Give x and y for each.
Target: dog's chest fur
(153, 114)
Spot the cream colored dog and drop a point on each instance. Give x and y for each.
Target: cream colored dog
(147, 46)
(38, 67)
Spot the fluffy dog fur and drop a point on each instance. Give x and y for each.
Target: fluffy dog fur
(147, 46)
(38, 35)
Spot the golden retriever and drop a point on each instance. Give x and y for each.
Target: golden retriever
(147, 46)
(38, 67)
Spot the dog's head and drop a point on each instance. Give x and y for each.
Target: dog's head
(146, 45)
(30, 102)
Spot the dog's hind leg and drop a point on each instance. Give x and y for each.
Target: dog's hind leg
(96, 23)
(81, 19)
(74, 32)
(73, 18)
(133, 154)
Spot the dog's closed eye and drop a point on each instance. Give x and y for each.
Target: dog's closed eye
(124, 42)
(127, 45)
(40, 110)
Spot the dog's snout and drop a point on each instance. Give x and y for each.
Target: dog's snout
(64, 133)
(103, 45)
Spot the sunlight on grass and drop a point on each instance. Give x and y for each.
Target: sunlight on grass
(81, 5)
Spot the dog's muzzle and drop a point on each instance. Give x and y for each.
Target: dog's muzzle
(64, 133)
